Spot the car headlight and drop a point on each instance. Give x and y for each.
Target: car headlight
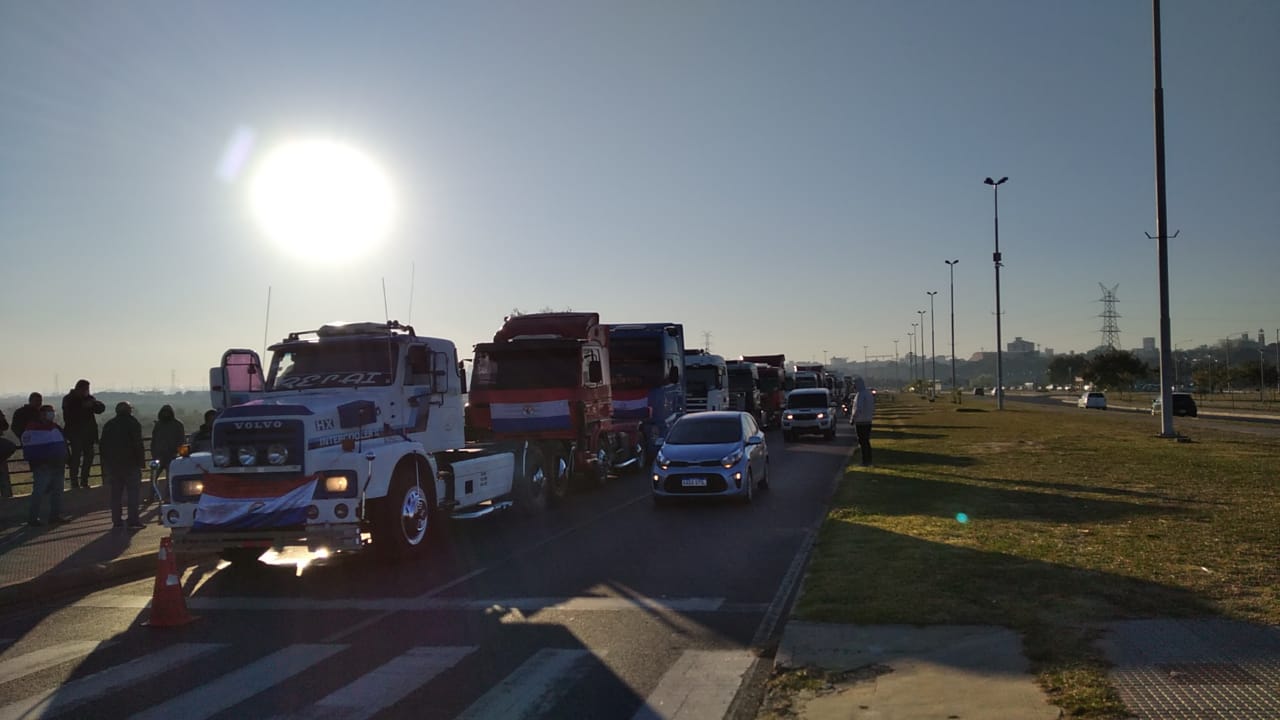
(662, 461)
(791, 416)
(247, 456)
(277, 454)
(222, 456)
(731, 459)
(822, 416)
(192, 488)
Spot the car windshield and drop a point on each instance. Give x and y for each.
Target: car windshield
(695, 430)
(807, 400)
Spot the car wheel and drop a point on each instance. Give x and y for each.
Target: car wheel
(764, 481)
(750, 493)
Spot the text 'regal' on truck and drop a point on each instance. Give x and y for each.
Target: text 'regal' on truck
(646, 362)
(354, 438)
(744, 388)
(706, 381)
(545, 379)
(771, 370)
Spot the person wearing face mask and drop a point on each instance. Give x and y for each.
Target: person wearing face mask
(122, 460)
(45, 449)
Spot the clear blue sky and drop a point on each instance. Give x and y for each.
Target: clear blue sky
(787, 176)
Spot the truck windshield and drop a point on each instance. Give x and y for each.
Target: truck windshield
(770, 383)
(741, 381)
(354, 363)
(527, 370)
(700, 379)
(636, 363)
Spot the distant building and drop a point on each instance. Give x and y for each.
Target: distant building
(1021, 346)
(1148, 344)
(1048, 353)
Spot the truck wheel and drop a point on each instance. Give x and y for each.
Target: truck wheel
(557, 477)
(530, 493)
(403, 517)
(241, 556)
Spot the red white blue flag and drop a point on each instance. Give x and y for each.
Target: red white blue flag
(233, 503)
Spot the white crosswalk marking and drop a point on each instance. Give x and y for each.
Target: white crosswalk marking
(386, 685)
(701, 684)
(240, 685)
(45, 658)
(99, 684)
(533, 688)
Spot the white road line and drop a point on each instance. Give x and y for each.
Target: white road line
(388, 684)
(532, 689)
(78, 692)
(701, 684)
(390, 605)
(240, 685)
(45, 658)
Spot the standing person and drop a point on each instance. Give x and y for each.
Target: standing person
(166, 435)
(27, 413)
(202, 440)
(860, 417)
(45, 448)
(122, 460)
(7, 449)
(78, 410)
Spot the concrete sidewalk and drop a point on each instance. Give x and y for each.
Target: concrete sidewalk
(905, 672)
(37, 562)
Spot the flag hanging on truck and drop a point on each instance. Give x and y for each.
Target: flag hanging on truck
(235, 503)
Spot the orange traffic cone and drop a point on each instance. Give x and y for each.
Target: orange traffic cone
(168, 607)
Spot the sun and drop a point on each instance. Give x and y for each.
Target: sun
(321, 199)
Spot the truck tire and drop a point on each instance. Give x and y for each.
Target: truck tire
(558, 475)
(530, 491)
(402, 519)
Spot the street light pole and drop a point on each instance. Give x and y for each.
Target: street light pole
(951, 266)
(933, 345)
(911, 355)
(921, 366)
(895, 363)
(995, 258)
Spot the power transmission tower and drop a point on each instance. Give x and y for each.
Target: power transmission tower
(1110, 328)
(706, 340)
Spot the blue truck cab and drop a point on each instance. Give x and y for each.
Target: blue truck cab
(647, 373)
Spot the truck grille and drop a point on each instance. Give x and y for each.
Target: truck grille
(695, 404)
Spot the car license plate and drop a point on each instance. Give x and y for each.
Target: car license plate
(693, 482)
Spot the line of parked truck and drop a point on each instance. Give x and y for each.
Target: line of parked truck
(367, 434)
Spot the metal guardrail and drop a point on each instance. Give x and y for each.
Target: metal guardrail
(19, 469)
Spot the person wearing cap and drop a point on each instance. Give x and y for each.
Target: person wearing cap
(78, 410)
(45, 450)
(123, 458)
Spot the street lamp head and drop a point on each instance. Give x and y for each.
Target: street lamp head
(931, 292)
(989, 181)
(952, 262)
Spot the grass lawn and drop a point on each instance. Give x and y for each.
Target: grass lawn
(1048, 520)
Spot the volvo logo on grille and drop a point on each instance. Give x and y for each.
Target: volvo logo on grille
(528, 410)
(258, 424)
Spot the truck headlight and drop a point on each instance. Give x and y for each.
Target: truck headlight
(222, 456)
(277, 454)
(192, 488)
(247, 456)
(336, 484)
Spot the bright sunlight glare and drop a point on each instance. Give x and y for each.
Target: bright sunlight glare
(322, 200)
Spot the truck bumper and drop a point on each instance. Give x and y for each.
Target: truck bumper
(332, 537)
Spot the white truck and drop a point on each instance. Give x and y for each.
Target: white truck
(352, 438)
(706, 382)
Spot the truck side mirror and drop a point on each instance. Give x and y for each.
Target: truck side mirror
(595, 371)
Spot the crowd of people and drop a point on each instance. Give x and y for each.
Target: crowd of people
(50, 448)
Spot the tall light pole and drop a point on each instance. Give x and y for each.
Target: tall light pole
(1162, 233)
(921, 368)
(911, 355)
(951, 266)
(895, 362)
(866, 364)
(995, 258)
(933, 345)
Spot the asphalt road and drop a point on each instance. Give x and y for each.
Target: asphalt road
(605, 608)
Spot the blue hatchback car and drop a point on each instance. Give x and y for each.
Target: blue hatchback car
(711, 454)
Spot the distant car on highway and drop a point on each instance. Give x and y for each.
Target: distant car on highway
(718, 453)
(1094, 400)
(1182, 403)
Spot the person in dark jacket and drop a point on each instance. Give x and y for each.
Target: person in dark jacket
(202, 440)
(166, 435)
(78, 410)
(7, 449)
(123, 458)
(45, 450)
(27, 413)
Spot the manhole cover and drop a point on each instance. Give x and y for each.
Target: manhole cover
(1207, 674)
